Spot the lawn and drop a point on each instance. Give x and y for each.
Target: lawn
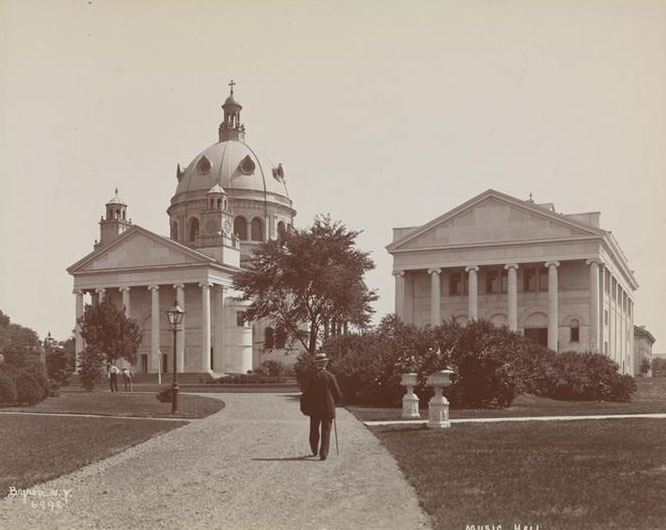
(37, 448)
(650, 397)
(593, 475)
(134, 404)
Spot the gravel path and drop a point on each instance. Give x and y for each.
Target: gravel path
(244, 467)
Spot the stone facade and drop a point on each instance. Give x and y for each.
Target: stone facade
(228, 200)
(557, 278)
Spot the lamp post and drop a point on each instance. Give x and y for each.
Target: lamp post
(175, 316)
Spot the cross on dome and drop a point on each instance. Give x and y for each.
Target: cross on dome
(232, 84)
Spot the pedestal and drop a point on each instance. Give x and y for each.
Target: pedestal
(410, 401)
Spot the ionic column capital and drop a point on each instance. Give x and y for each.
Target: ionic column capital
(79, 292)
(153, 287)
(472, 268)
(510, 266)
(101, 290)
(593, 261)
(399, 274)
(205, 284)
(179, 286)
(434, 271)
(550, 264)
(123, 289)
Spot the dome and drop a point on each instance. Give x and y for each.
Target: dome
(234, 166)
(116, 200)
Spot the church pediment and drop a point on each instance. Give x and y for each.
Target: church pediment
(493, 217)
(139, 248)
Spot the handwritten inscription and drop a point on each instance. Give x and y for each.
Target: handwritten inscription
(47, 499)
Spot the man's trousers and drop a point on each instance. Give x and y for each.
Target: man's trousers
(315, 437)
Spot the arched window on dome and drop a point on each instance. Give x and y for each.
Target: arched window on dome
(240, 228)
(269, 342)
(219, 204)
(174, 230)
(257, 229)
(194, 229)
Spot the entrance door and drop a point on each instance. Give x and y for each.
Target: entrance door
(538, 335)
(165, 363)
(144, 363)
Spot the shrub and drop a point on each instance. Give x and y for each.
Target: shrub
(31, 386)
(585, 376)
(272, 369)
(90, 369)
(165, 395)
(8, 394)
(658, 367)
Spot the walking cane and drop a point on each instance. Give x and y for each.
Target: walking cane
(335, 429)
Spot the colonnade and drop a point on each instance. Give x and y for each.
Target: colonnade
(207, 289)
(619, 300)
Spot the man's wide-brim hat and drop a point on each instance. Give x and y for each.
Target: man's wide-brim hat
(320, 358)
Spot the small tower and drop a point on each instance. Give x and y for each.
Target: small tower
(231, 128)
(116, 221)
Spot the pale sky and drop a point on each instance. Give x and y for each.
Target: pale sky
(383, 113)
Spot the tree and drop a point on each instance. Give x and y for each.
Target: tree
(307, 278)
(109, 335)
(60, 361)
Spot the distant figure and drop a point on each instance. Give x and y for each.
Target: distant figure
(127, 380)
(113, 372)
(318, 401)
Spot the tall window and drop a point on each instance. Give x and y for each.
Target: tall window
(574, 331)
(240, 228)
(529, 279)
(269, 343)
(280, 230)
(457, 283)
(257, 230)
(280, 338)
(194, 229)
(174, 230)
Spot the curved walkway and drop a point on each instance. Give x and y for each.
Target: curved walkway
(244, 467)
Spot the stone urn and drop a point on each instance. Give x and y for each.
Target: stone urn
(410, 401)
(438, 406)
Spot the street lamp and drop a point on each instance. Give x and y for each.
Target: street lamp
(175, 316)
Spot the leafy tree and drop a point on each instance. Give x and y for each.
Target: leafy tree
(645, 366)
(109, 335)
(19, 345)
(309, 277)
(59, 362)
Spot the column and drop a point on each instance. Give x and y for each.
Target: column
(180, 336)
(595, 343)
(219, 329)
(99, 295)
(602, 311)
(400, 294)
(473, 311)
(154, 364)
(78, 339)
(125, 291)
(512, 295)
(435, 312)
(205, 326)
(553, 326)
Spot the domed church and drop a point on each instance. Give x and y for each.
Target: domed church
(228, 199)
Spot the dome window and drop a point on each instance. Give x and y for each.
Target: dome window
(247, 165)
(257, 230)
(194, 229)
(240, 228)
(204, 166)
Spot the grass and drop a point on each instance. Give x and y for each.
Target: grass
(600, 474)
(34, 449)
(650, 397)
(134, 404)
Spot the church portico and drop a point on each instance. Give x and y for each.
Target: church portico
(562, 281)
(227, 200)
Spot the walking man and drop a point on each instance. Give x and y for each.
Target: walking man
(318, 401)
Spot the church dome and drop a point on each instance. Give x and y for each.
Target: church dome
(233, 165)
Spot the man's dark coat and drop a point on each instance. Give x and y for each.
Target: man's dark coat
(320, 395)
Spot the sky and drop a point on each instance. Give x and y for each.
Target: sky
(383, 114)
